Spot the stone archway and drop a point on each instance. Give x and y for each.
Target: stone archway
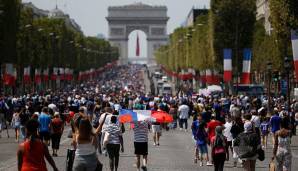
(123, 20)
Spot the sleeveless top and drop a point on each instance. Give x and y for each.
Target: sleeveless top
(85, 149)
(284, 145)
(33, 156)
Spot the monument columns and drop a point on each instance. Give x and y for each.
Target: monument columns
(152, 20)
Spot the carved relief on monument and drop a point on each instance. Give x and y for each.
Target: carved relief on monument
(158, 31)
(132, 28)
(117, 31)
(156, 47)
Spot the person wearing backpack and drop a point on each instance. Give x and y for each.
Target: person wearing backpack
(219, 149)
(247, 145)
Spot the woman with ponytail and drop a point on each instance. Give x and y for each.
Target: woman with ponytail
(32, 152)
(219, 149)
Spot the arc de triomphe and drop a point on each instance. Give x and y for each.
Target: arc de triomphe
(123, 20)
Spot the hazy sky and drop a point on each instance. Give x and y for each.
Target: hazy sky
(90, 14)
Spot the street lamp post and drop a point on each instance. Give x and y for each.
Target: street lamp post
(269, 69)
(287, 66)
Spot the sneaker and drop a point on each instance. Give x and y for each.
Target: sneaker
(201, 163)
(209, 164)
(154, 144)
(157, 144)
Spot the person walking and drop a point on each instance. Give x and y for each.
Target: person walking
(219, 149)
(282, 148)
(201, 142)
(16, 123)
(141, 144)
(85, 143)
(114, 143)
(183, 113)
(56, 133)
(32, 152)
(44, 125)
(265, 126)
(275, 123)
(247, 145)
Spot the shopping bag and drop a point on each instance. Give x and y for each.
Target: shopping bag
(69, 159)
(272, 166)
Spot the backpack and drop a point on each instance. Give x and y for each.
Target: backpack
(219, 145)
(246, 145)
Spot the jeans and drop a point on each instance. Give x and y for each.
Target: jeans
(219, 161)
(23, 132)
(183, 121)
(85, 163)
(113, 151)
(56, 140)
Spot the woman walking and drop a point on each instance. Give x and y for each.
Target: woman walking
(57, 130)
(114, 142)
(282, 148)
(219, 149)
(32, 152)
(16, 123)
(85, 143)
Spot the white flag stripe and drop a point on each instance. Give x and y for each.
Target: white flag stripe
(227, 65)
(246, 66)
(295, 49)
(143, 114)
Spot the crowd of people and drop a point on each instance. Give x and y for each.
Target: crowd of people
(222, 127)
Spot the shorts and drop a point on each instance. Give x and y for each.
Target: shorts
(203, 149)
(156, 129)
(45, 136)
(141, 148)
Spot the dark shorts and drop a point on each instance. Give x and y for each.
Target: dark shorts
(45, 136)
(141, 148)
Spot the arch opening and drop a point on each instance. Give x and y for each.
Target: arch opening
(137, 46)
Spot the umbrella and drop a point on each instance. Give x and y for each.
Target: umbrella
(162, 117)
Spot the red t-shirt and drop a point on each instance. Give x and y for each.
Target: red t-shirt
(57, 124)
(211, 128)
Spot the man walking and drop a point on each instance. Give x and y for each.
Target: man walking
(44, 125)
(141, 143)
(183, 113)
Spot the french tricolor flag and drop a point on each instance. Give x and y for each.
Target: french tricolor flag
(294, 37)
(127, 116)
(246, 66)
(227, 65)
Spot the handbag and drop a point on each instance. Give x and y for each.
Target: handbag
(261, 154)
(272, 166)
(70, 159)
(99, 166)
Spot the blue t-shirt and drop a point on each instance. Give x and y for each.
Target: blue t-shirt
(195, 127)
(275, 123)
(44, 122)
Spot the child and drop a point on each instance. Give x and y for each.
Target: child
(201, 140)
(265, 125)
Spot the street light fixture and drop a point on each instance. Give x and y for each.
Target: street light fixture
(269, 69)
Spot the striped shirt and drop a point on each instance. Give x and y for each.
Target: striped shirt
(141, 132)
(115, 133)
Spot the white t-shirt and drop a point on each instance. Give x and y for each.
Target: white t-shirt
(256, 121)
(227, 131)
(106, 122)
(183, 111)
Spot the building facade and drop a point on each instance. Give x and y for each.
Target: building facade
(263, 14)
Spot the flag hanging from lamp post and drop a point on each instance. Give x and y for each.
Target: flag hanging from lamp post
(246, 66)
(138, 46)
(294, 38)
(227, 65)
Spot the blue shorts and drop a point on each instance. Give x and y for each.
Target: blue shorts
(203, 149)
